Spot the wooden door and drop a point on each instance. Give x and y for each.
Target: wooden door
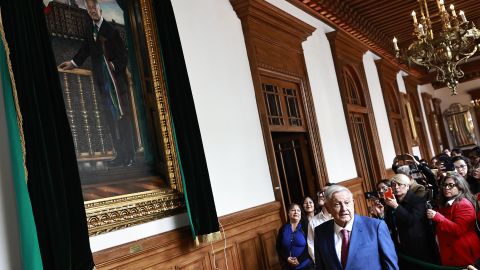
(294, 166)
(289, 131)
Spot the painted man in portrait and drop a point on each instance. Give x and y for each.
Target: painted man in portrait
(109, 58)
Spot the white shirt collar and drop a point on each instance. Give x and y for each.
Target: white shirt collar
(325, 214)
(99, 24)
(450, 202)
(348, 226)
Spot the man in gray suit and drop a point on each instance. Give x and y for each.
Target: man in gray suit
(350, 241)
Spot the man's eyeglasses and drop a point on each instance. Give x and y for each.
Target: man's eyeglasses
(320, 194)
(395, 184)
(449, 186)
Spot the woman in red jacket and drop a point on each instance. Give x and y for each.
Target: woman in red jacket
(458, 241)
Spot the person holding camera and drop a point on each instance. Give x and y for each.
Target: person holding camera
(428, 179)
(377, 210)
(416, 188)
(405, 217)
(454, 220)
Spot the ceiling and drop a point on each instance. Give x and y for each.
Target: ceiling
(376, 22)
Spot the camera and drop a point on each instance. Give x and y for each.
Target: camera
(428, 205)
(446, 163)
(403, 157)
(413, 168)
(371, 195)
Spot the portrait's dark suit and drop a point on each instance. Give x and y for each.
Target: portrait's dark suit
(370, 247)
(109, 45)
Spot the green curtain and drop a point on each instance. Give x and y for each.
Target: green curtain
(53, 179)
(30, 252)
(197, 187)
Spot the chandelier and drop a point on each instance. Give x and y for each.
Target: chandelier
(444, 51)
(475, 103)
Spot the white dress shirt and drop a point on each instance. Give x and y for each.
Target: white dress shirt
(338, 236)
(314, 222)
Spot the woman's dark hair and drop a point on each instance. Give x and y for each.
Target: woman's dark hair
(303, 202)
(461, 184)
(476, 151)
(387, 182)
(466, 160)
(456, 150)
(305, 197)
(290, 206)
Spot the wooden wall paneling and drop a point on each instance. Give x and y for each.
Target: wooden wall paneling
(249, 255)
(171, 267)
(348, 54)
(269, 249)
(273, 40)
(161, 250)
(249, 236)
(356, 187)
(194, 263)
(224, 257)
(388, 81)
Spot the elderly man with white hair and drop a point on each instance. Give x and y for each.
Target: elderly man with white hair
(417, 189)
(350, 241)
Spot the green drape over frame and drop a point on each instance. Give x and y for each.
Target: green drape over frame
(54, 183)
(197, 187)
(30, 252)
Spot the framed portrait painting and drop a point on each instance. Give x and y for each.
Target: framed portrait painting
(110, 69)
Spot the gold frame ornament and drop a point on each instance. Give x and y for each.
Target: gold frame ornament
(113, 213)
(411, 120)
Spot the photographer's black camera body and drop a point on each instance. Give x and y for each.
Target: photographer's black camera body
(371, 195)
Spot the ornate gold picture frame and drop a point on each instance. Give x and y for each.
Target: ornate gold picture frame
(120, 189)
(460, 124)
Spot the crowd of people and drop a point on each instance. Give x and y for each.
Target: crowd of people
(424, 217)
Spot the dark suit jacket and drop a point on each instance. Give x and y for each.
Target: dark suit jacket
(409, 223)
(110, 44)
(370, 246)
